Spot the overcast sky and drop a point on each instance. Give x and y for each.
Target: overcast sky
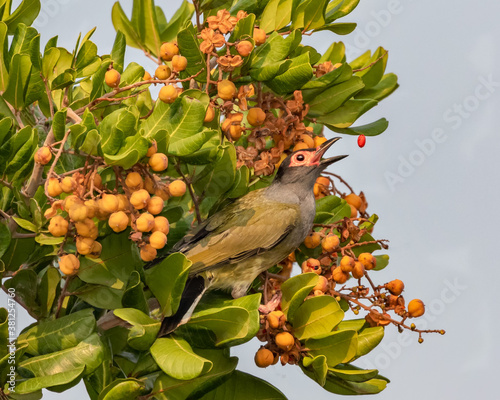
(431, 177)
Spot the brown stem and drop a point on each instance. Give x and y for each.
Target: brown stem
(5, 183)
(191, 192)
(371, 64)
(197, 11)
(63, 295)
(56, 158)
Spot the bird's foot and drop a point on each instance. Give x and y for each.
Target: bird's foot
(271, 305)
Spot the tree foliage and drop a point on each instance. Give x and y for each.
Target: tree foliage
(85, 148)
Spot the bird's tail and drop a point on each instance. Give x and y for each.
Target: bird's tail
(193, 291)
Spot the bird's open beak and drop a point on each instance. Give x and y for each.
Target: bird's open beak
(321, 150)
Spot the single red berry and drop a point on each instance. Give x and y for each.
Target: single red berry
(361, 140)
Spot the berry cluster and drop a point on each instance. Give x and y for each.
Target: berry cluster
(81, 205)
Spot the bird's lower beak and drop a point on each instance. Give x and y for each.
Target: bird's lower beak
(321, 150)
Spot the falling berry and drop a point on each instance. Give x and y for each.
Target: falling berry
(361, 140)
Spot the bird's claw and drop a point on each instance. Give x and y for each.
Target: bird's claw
(271, 305)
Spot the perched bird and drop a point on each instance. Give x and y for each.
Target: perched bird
(233, 246)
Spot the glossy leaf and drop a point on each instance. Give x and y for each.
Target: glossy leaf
(338, 28)
(176, 358)
(340, 8)
(4, 74)
(144, 328)
(5, 238)
(294, 291)
(167, 279)
(353, 374)
(60, 334)
(338, 347)
(56, 379)
(368, 339)
(47, 289)
(316, 316)
(123, 24)
(19, 73)
(319, 367)
(25, 13)
(146, 25)
(178, 20)
(189, 47)
(25, 285)
(133, 295)
(372, 129)
(310, 14)
(298, 73)
(123, 389)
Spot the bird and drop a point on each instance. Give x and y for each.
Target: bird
(237, 243)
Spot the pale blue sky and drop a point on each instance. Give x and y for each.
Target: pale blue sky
(431, 178)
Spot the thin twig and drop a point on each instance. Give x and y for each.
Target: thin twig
(371, 64)
(63, 295)
(191, 192)
(56, 158)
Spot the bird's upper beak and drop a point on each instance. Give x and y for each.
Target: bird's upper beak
(321, 150)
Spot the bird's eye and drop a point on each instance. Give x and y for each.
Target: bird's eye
(300, 157)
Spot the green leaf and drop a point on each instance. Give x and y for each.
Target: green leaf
(182, 121)
(275, 49)
(133, 296)
(316, 316)
(368, 339)
(25, 283)
(268, 72)
(118, 51)
(89, 353)
(91, 143)
(176, 358)
(98, 88)
(277, 14)
(100, 296)
(86, 55)
(19, 73)
(166, 281)
(353, 374)
(144, 328)
(5, 238)
(335, 96)
(387, 85)
(340, 8)
(189, 47)
(298, 73)
(59, 124)
(373, 70)
(23, 160)
(123, 24)
(24, 14)
(319, 366)
(338, 347)
(56, 379)
(343, 28)
(4, 74)
(47, 289)
(294, 291)
(168, 388)
(119, 389)
(340, 386)
(114, 128)
(118, 259)
(64, 80)
(183, 14)
(382, 262)
(346, 115)
(55, 335)
(146, 25)
(49, 60)
(372, 129)
(133, 150)
(254, 388)
(243, 29)
(309, 15)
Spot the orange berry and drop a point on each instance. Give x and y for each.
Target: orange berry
(368, 260)
(354, 200)
(256, 116)
(78, 212)
(339, 276)
(54, 187)
(319, 140)
(140, 199)
(244, 48)
(43, 155)
(112, 78)
(68, 184)
(134, 181)
(177, 188)
(284, 340)
(168, 51)
(226, 89)
(123, 203)
(347, 264)
(118, 221)
(276, 319)
(330, 243)
(108, 203)
(147, 76)
(259, 36)
(69, 264)
(87, 228)
(358, 271)
(264, 358)
(168, 94)
(210, 114)
(158, 240)
(300, 146)
(148, 253)
(308, 140)
(161, 225)
(84, 245)
(58, 226)
(416, 308)
(145, 222)
(311, 265)
(312, 240)
(395, 286)
(179, 63)
(70, 201)
(153, 149)
(163, 72)
(322, 284)
(155, 205)
(95, 251)
(235, 131)
(158, 162)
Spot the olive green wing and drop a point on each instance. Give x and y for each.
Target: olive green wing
(239, 233)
